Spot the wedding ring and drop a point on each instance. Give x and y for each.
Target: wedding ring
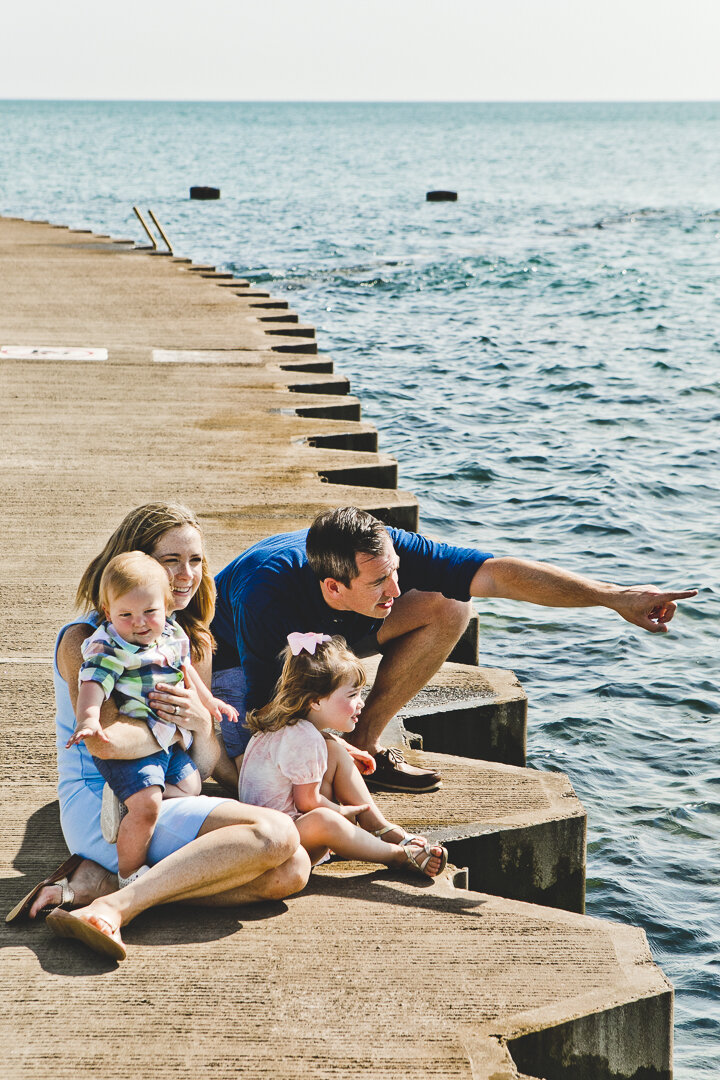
(177, 710)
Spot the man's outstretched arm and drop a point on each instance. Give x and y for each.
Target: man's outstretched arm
(540, 583)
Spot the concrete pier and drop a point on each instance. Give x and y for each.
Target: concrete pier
(214, 393)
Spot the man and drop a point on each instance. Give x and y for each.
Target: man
(381, 589)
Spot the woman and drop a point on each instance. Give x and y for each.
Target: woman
(212, 850)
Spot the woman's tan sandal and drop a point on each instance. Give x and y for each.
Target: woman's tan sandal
(420, 866)
(59, 877)
(108, 943)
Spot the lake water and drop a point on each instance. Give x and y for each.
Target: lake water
(542, 357)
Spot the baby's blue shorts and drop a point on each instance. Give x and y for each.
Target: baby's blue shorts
(126, 777)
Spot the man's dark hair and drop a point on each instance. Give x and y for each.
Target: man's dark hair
(337, 536)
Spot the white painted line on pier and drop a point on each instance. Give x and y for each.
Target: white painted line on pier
(191, 356)
(50, 352)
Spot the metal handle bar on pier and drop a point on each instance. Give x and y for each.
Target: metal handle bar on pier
(158, 226)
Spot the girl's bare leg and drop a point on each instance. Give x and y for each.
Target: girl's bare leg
(323, 828)
(343, 783)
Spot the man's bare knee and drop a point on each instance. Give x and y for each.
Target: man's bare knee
(448, 618)
(456, 615)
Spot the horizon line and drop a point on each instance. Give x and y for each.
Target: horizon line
(363, 101)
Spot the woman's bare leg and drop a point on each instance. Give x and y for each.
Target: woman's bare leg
(242, 854)
(287, 878)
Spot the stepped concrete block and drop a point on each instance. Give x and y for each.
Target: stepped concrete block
(290, 344)
(248, 291)
(520, 832)
(380, 470)
(288, 330)
(348, 409)
(467, 648)
(365, 440)
(284, 317)
(304, 383)
(469, 711)
(303, 363)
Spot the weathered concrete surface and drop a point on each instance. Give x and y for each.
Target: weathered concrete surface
(467, 710)
(365, 973)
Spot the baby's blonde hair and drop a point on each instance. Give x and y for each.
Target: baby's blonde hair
(128, 571)
(305, 679)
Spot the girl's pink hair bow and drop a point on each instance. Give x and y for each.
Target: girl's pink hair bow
(308, 642)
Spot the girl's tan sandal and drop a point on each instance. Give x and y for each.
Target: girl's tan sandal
(414, 860)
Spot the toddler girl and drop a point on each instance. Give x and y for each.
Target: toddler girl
(136, 648)
(289, 765)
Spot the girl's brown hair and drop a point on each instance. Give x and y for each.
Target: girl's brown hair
(305, 679)
(140, 530)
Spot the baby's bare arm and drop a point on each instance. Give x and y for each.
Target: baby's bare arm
(87, 710)
(124, 738)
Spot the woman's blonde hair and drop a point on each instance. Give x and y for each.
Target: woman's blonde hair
(140, 530)
(128, 571)
(305, 679)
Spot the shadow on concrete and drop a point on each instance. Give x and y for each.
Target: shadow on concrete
(376, 886)
(43, 849)
(163, 927)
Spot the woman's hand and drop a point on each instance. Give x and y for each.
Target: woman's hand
(179, 704)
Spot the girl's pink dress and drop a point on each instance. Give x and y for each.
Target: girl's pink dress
(275, 760)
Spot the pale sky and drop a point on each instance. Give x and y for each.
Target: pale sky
(367, 50)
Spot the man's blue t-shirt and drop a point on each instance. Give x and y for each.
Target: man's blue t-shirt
(270, 591)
